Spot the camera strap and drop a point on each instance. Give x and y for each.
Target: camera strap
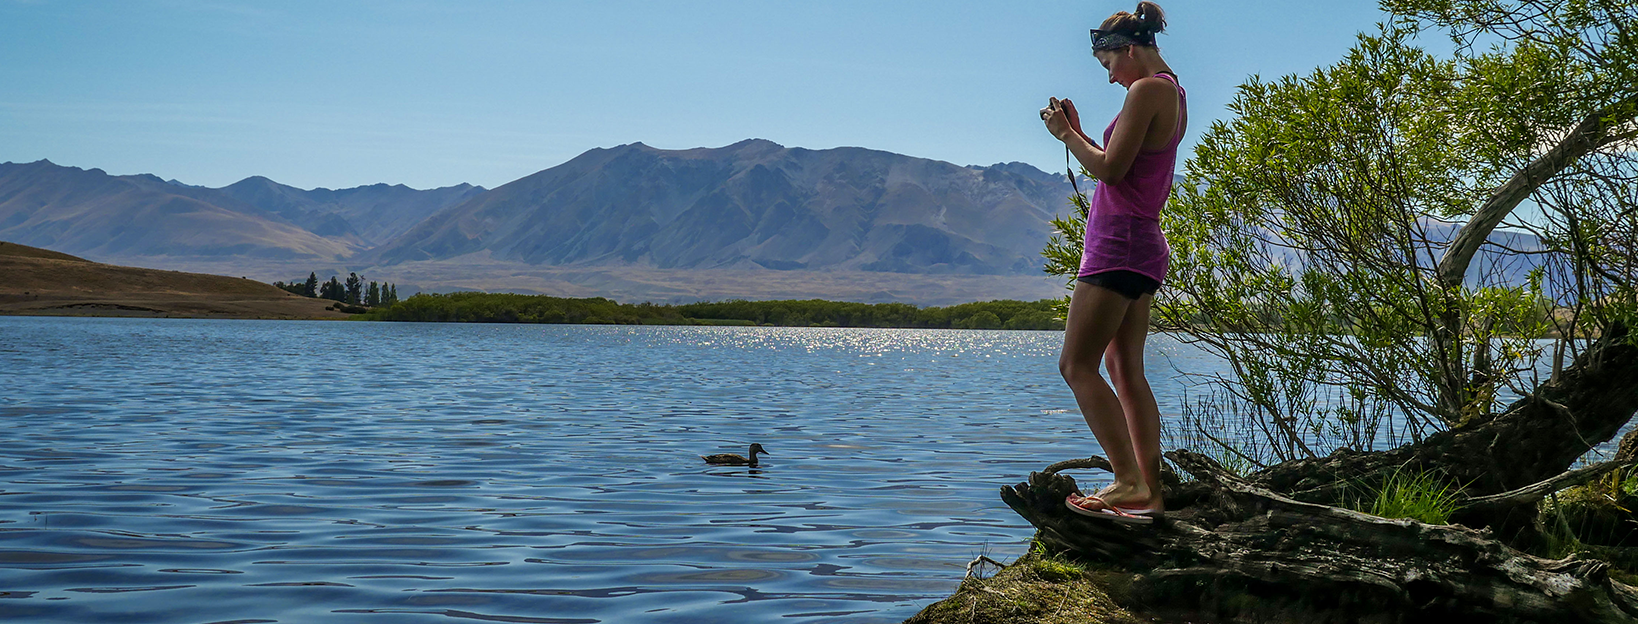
(1074, 118)
(1070, 167)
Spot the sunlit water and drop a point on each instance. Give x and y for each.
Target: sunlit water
(213, 471)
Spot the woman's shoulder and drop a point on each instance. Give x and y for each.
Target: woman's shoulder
(1151, 91)
(1152, 86)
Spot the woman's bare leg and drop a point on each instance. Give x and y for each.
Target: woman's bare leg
(1124, 359)
(1095, 315)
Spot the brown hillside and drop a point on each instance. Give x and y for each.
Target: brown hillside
(24, 251)
(36, 281)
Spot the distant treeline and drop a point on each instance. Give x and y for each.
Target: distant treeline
(354, 291)
(472, 307)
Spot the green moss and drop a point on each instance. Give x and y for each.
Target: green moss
(1036, 589)
(1624, 577)
(1589, 517)
(1056, 570)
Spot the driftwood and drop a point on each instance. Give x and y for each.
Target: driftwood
(1233, 549)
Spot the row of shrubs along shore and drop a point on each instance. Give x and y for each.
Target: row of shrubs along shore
(474, 307)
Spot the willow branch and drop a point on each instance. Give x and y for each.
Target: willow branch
(1537, 491)
(1592, 133)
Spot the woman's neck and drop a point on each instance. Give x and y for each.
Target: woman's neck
(1149, 59)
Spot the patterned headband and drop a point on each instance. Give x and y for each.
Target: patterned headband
(1103, 40)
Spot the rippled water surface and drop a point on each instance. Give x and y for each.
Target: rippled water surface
(160, 470)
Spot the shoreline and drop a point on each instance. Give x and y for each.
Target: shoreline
(118, 311)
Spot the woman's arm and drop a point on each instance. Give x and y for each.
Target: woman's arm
(1143, 102)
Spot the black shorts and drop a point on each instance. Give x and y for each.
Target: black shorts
(1129, 284)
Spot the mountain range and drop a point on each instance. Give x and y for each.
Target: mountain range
(753, 220)
(749, 213)
(754, 204)
(90, 213)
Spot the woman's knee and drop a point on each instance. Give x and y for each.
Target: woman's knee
(1126, 376)
(1133, 386)
(1073, 368)
(1127, 379)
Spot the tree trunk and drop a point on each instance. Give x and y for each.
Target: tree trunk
(1598, 129)
(1235, 550)
(1536, 437)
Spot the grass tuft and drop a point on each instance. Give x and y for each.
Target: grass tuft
(1422, 496)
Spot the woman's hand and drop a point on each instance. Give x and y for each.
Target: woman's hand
(1057, 121)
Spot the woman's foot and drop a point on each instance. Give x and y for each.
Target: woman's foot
(1093, 502)
(1125, 497)
(1117, 514)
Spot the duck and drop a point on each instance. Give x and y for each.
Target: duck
(731, 459)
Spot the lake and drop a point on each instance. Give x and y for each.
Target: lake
(167, 470)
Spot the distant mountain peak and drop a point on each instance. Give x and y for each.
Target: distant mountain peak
(255, 179)
(754, 142)
(87, 212)
(38, 163)
(752, 145)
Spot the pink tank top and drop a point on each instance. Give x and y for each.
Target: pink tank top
(1123, 223)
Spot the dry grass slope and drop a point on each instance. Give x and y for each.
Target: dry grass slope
(36, 281)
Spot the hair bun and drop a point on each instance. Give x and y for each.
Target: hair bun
(1150, 18)
(1140, 26)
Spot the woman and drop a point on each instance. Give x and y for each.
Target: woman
(1125, 260)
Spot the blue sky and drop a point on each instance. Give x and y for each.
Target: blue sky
(345, 93)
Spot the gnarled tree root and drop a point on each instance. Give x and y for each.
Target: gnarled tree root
(1234, 549)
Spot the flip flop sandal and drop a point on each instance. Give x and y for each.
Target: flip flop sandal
(1113, 513)
(1076, 505)
(1096, 498)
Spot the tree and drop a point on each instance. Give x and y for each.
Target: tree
(392, 294)
(1326, 241)
(372, 296)
(1350, 244)
(310, 288)
(333, 290)
(355, 289)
